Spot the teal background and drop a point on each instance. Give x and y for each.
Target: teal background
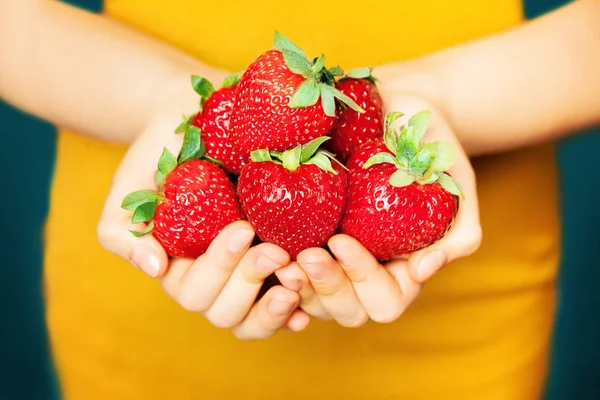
(574, 365)
(27, 148)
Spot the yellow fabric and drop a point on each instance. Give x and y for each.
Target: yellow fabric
(480, 329)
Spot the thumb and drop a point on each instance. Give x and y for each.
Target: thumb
(137, 172)
(144, 253)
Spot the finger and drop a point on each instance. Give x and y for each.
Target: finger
(298, 321)
(294, 278)
(136, 172)
(333, 287)
(268, 315)
(200, 284)
(410, 288)
(241, 290)
(377, 290)
(464, 236)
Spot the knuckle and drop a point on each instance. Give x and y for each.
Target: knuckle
(355, 273)
(328, 287)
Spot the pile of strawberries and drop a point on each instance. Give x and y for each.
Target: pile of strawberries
(311, 154)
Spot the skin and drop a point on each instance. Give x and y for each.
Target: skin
(141, 87)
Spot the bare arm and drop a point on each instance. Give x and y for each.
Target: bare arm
(534, 83)
(86, 72)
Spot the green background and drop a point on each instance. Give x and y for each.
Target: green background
(27, 149)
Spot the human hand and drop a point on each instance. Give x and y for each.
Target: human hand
(224, 282)
(352, 286)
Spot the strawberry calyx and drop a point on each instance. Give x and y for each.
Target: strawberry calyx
(319, 83)
(309, 153)
(424, 163)
(362, 73)
(232, 80)
(143, 203)
(205, 89)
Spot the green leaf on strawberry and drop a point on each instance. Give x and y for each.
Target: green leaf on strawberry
(450, 184)
(167, 162)
(136, 199)
(381, 158)
(360, 73)
(306, 95)
(310, 148)
(282, 44)
(144, 213)
(193, 147)
(316, 72)
(319, 64)
(149, 229)
(327, 100)
(322, 161)
(420, 122)
(401, 178)
(309, 153)
(389, 136)
(415, 161)
(291, 158)
(407, 146)
(336, 71)
(261, 155)
(203, 87)
(445, 154)
(182, 127)
(421, 162)
(232, 80)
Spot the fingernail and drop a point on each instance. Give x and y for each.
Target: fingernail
(279, 308)
(314, 270)
(430, 264)
(266, 264)
(239, 241)
(143, 258)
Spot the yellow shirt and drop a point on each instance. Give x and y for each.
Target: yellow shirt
(480, 329)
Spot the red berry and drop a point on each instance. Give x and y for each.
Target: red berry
(197, 201)
(391, 221)
(351, 128)
(295, 209)
(403, 201)
(213, 121)
(200, 202)
(262, 117)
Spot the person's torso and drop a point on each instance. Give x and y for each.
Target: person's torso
(480, 328)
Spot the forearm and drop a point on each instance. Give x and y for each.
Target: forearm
(535, 83)
(88, 73)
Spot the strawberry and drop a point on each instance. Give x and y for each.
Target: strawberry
(294, 199)
(196, 203)
(213, 121)
(400, 199)
(277, 106)
(351, 128)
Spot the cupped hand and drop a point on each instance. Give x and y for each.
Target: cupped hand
(350, 285)
(223, 283)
